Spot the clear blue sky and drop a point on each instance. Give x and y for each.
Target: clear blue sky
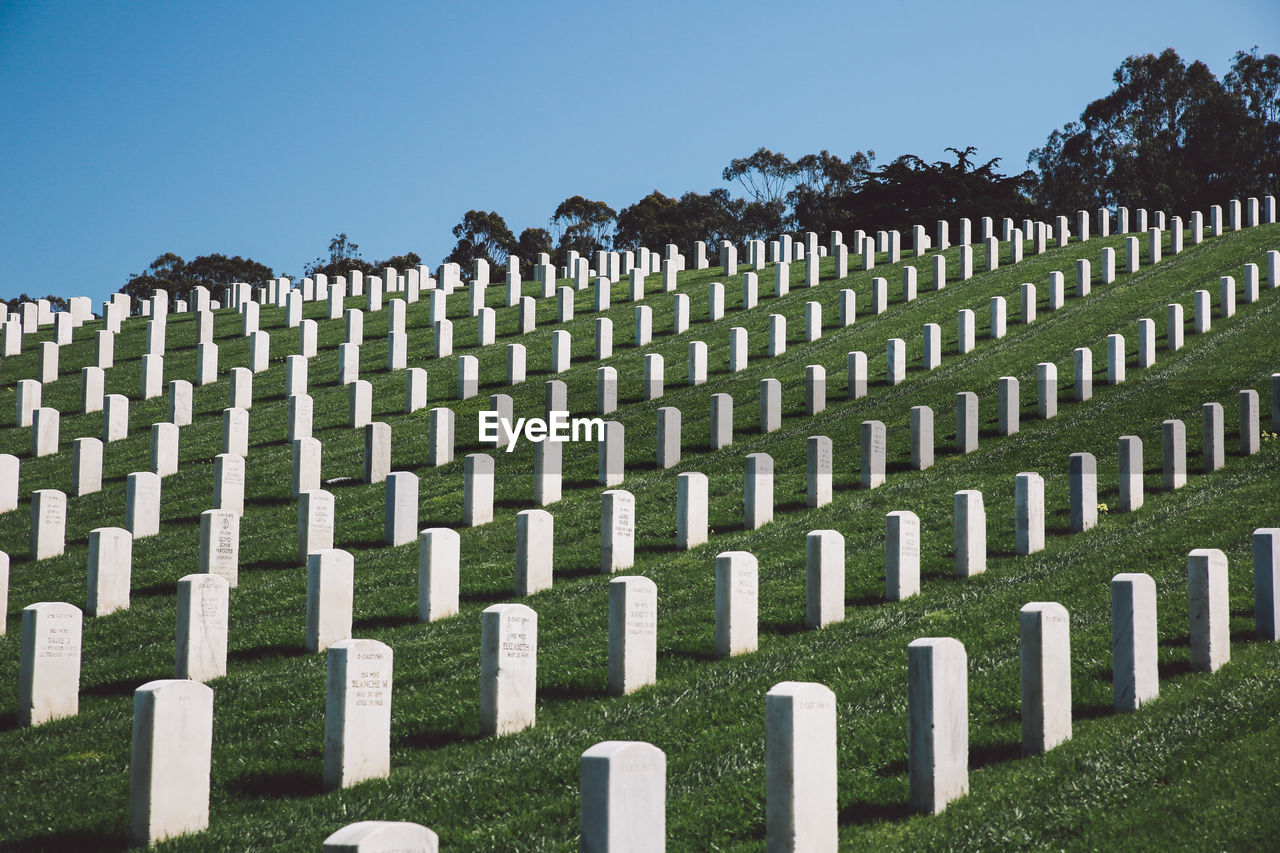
(262, 129)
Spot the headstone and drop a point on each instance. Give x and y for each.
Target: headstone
(966, 331)
(691, 509)
(1027, 297)
(736, 603)
(508, 668)
(142, 504)
(1266, 583)
(240, 389)
(201, 646)
(1083, 491)
(824, 578)
(1212, 437)
(180, 403)
(330, 594)
(611, 456)
(400, 508)
(1057, 290)
(164, 449)
(801, 805)
(970, 524)
(966, 422)
(721, 421)
(758, 491)
(377, 452)
(440, 437)
(623, 797)
(633, 634)
(654, 376)
(315, 523)
(938, 723)
(879, 295)
(477, 489)
(1008, 405)
(49, 668)
(1045, 655)
(86, 471)
(922, 446)
(818, 470)
(896, 361)
(1209, 606)
(115, 417)
(170, 760)
(535, 542)
(220, 544)
(617, 530)
(998, 313)
(516, 364)
(1083, 373)
(46, 432)
(235, 431)
(932, 346)
(770, 405)
(228, 482)
(1250, 423)
(357, 713)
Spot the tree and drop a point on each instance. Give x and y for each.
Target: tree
(179, 279)
(400, 262)
(821, 179)
(218, 270)
(767, 176)
(1255, 80)
(484, 235)
(909, 191)
(344, 256)
(532, 242)
(1170, 136)
(658, 219)
(583, 225)
(57, 303)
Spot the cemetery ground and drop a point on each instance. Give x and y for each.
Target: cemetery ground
(1195, 768)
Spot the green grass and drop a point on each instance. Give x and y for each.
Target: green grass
(1193, 769)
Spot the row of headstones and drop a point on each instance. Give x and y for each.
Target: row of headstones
(336, 296)
(152, 373)
(31, 316)
(172, 741)
(164, 442)
(48, 519)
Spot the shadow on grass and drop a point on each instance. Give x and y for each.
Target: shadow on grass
(364, 544)
(436, 738)
(701, 654)
(571, 692)
(494, 596)
(796, 627)
(77, 839)
(268, 500)
(154, 590)
(292, 779)
(994, 753)
(1175, 668)
(791, 506)
(271, 564)
(1093, 712)
(119, 687)
(864, 812)
(386, 620)
(275, 650)
(657, 548)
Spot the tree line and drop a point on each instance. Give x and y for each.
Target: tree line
(1169, 136)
